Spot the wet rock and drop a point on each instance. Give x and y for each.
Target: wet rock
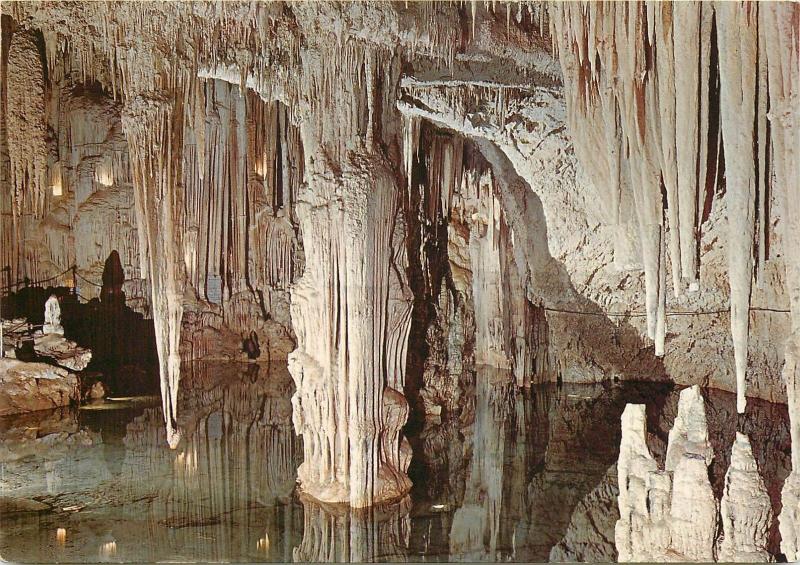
(49, 343)
(10, 505)
(25, 387)
(97, 391)
(62, 351)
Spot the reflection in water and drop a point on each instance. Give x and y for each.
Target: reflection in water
(124, 496)
(519, 476)
(337, 533)
(476, 524)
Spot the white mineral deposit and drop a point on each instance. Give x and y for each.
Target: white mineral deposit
(324, 280)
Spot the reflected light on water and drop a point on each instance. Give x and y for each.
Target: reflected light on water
(186, 462)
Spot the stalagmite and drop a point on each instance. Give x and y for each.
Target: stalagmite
(671, 513)
(693, 510)
(689, 433)
(52, 317)
(745, 509)
(634, 466)
(154, 128)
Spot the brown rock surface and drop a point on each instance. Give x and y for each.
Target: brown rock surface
(25, 387)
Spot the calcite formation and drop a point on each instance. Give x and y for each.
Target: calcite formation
(673, 514)
(600, 208)
(745, 508)
(52, 317)
(52, 347)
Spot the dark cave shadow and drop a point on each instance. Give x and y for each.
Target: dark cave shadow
(122, 341)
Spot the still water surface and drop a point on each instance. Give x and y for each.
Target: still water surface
(517, 477)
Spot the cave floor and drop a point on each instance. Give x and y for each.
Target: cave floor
(517, 476)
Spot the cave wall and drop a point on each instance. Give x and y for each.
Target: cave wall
(583, 246)
(637, 210)
(239, 197)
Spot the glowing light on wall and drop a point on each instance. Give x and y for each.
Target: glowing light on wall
(263, 543)
(104, 172)
(108, 550)
(261, 165)
(55, 180)
(61, 536)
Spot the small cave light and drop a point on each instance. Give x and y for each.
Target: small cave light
(263, 543)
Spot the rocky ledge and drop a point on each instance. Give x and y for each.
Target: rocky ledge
(25, 387)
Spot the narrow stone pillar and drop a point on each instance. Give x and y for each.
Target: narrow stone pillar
(154, 128)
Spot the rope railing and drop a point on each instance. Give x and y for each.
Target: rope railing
(38, 283)
(668, 313)
(630, 314)
(84, 279)
(34, 283)
(23, 283)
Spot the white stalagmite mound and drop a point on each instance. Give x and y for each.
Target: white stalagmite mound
(672, 514)
(745, 508)
(52, 317)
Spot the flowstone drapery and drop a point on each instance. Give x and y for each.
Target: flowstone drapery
(348, 369)
(351, 309)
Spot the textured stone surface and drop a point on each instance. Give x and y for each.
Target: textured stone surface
(647, 255)
(34, 386)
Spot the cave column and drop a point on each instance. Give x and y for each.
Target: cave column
(345, 406)
(351, 309)
(153, 126)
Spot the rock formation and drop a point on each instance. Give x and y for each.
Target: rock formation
(674, 514)
(745, 509)
(254, 165)
(35, 386)
(51, 346)
(52, 317)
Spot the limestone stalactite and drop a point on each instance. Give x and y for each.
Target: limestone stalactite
(632, 57)
(737, 27)
(27, 125)
(154, 128)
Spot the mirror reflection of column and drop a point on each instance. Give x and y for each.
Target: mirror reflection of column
(476, 524)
